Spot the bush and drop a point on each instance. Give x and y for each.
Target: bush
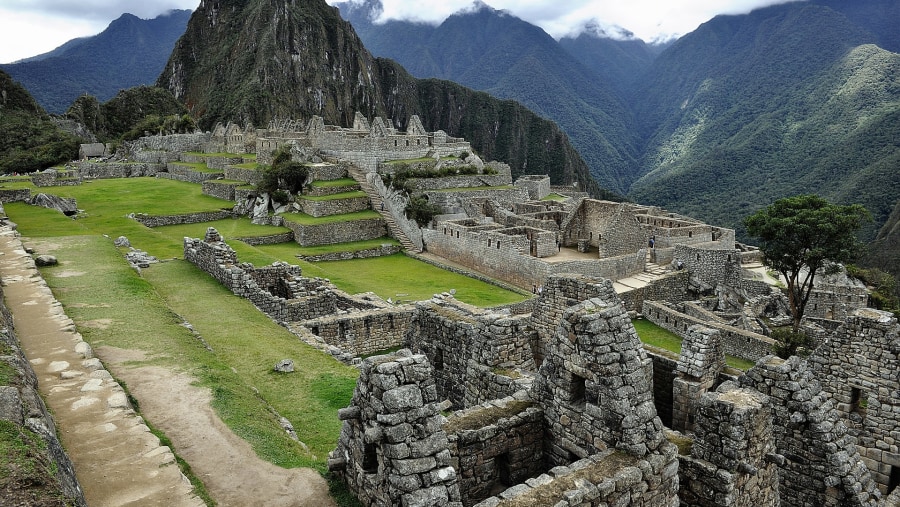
(790, 343)
(283, 174)
(420, 210)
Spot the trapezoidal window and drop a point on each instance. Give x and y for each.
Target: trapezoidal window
(438, 358)
(576, 390)
(859, 402)
(504, 474)
(370, 459)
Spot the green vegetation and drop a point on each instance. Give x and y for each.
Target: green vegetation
(284, 174)
(26, 478)
(304, 219)
(332, 197)
(790, 342)
(655, 336)
(555, 197)
(419, 209)
(343, 182)
(884, 293)
(29, 140)
(354, 246)
(800, 236)
(131, 112)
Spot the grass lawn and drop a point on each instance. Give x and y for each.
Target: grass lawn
(343, 182)
(653, 335)
(304, 219)
(331, 197)
(354, 246)
(229, 228)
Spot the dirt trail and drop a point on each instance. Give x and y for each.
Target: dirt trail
(117, 460)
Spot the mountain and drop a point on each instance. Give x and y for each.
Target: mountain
(790, 99)
(29, 138)
(795, 98)
(253, 61)
(129, 52)
(496, 52)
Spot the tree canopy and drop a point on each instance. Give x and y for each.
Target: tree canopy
(799, 235)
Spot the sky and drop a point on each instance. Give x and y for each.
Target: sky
(32, 27)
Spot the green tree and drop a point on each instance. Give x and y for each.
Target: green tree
(799, 235)
(283, 174)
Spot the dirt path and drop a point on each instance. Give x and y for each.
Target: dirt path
(117, 460)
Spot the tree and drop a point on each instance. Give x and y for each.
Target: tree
(799, 235)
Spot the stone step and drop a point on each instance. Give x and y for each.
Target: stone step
(376, 201)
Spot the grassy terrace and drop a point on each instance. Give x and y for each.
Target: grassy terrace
(343, 182)
(200, 167)
(555, 197)
(473, 189)
(346, 247)
(333, 197)
(304, 219)
(653, 335)
(222, 154)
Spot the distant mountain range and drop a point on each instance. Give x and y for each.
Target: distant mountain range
(799, 97)
(130, 52)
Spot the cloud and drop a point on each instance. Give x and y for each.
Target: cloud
(645, 19)
(95, 10)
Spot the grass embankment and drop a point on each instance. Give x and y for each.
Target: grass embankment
(343, 182)
(304, 219)
(355, 194)
(655, 336)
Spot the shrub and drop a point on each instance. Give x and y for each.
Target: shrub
(790, 343)
(420, 210)
(283, 174)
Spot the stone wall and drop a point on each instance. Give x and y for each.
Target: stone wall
(701, 360)
(450, 201)
(559, 293)
(187, 218)
(664, 365)
(392, 449)
(459, 182)
(738, 342)
(15, 195)
(609, 478)
(220, 189)
(174, 143)
(364, 333)
(537, 185)
(271, 239)
(819, 465)
(858, 368)
(22, 405)
(671, 287)
(580, 386)
(251, 176)
(277, 290)
(104, 170)
(384, 250)
(495, 446)
(712, 266)
(337, 232)
(327, 207)
(451, 334)
(181, 172)
(730, 462)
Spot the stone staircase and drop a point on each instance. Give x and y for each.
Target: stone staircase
(652, 272)
(377, 204)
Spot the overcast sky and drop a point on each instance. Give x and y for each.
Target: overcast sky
(32, 27)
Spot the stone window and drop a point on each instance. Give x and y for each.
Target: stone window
(370, 459)
(438, 358)
(690, 234)
(576, 390)
(893, 480)
(504, 475)
(858, 402)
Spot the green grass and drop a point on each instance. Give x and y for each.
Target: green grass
(355, 194)
(229, 228)
(145, 313)
(197, 166)
(343, 182)
(354, 246)
(304, 219)
(555, 197)
(473, 189)
(655, 336)
(406, 279)
(254, 166)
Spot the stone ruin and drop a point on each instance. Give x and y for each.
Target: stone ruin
(583, 426)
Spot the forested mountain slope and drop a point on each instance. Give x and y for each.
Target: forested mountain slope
(129, 52)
